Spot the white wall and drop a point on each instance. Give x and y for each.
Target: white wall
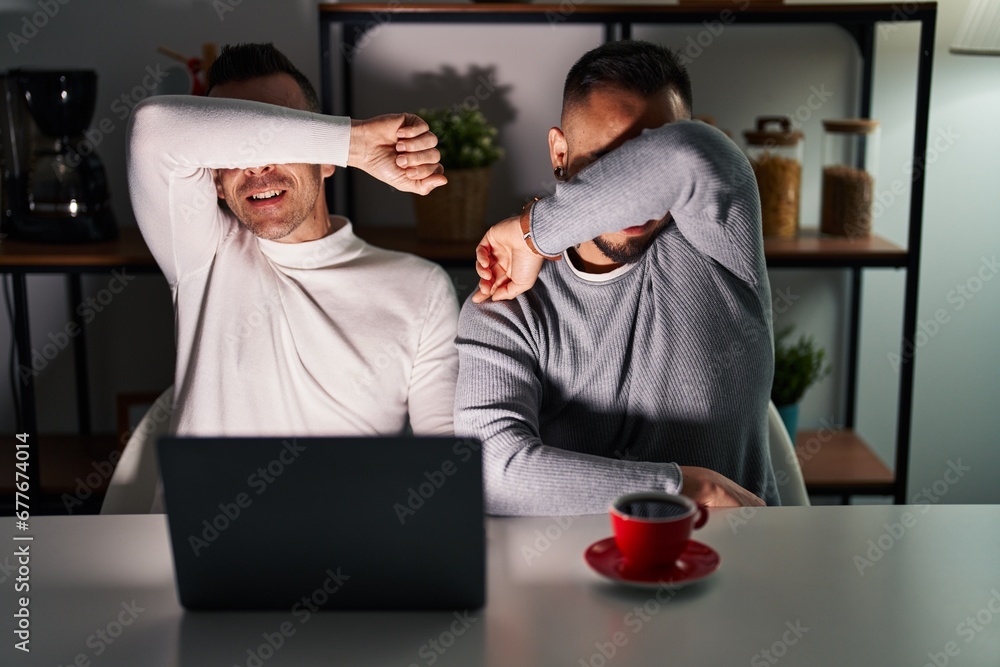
(957, 379)
(743, 73)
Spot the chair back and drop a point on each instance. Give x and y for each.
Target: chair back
(133, 484)
(787, 472)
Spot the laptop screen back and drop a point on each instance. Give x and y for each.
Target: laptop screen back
(330, 523)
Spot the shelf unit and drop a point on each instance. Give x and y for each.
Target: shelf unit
(848, 466)
(51, 457)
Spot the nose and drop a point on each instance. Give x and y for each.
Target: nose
(257, 171)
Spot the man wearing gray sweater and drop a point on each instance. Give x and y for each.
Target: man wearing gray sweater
(643, 359)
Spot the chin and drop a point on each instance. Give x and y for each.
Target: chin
(627, 248)
(268, 231)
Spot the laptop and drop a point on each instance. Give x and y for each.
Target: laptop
(302, 524)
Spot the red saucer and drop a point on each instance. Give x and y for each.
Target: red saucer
(695, 563)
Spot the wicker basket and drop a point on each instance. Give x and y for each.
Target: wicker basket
(457, 211)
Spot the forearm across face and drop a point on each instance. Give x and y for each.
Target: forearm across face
(175, 141)
(687, 168)
(218, 133)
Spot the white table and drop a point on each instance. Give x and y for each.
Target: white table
(789, 585)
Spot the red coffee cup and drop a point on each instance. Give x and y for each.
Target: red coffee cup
(653, 527)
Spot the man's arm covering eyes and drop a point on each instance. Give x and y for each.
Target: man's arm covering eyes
(688, 168)
(174, 142)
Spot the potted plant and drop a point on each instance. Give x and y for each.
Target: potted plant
(797, 366)
(468, 145)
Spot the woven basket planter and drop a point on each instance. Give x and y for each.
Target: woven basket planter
(456, 211)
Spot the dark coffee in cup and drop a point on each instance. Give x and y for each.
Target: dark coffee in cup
(652, 528)
(653, 509)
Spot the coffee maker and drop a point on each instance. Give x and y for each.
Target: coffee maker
(53, 185)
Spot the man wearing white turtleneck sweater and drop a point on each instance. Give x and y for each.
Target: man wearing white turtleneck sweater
(286, 322)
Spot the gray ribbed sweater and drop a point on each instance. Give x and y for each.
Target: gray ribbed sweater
(582, 391)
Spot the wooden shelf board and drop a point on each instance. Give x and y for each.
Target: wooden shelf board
(128, 249)
(810, 244)
(806, 247)
(839, 460)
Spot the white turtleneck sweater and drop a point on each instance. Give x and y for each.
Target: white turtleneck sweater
(327, 337)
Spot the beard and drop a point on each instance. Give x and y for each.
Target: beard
(631, 250)
(270, 231)
(296, 209)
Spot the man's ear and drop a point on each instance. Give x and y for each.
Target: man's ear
(558, 148)
(218, 184)
(326, 170)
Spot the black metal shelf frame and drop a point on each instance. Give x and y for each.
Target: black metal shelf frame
(27, 418)
(859, 21)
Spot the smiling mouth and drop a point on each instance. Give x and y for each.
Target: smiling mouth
(264, 196)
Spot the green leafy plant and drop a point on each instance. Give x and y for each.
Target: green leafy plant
(797, 366)
(465, 138)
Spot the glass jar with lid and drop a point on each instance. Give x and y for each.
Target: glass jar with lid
(850, 159)
(775, 153)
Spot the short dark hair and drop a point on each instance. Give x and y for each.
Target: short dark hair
(240, 62)
(634, 66)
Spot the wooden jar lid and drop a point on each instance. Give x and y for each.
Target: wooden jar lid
(761, 136)
(851, 125)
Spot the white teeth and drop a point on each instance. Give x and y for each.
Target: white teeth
(266, 195)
